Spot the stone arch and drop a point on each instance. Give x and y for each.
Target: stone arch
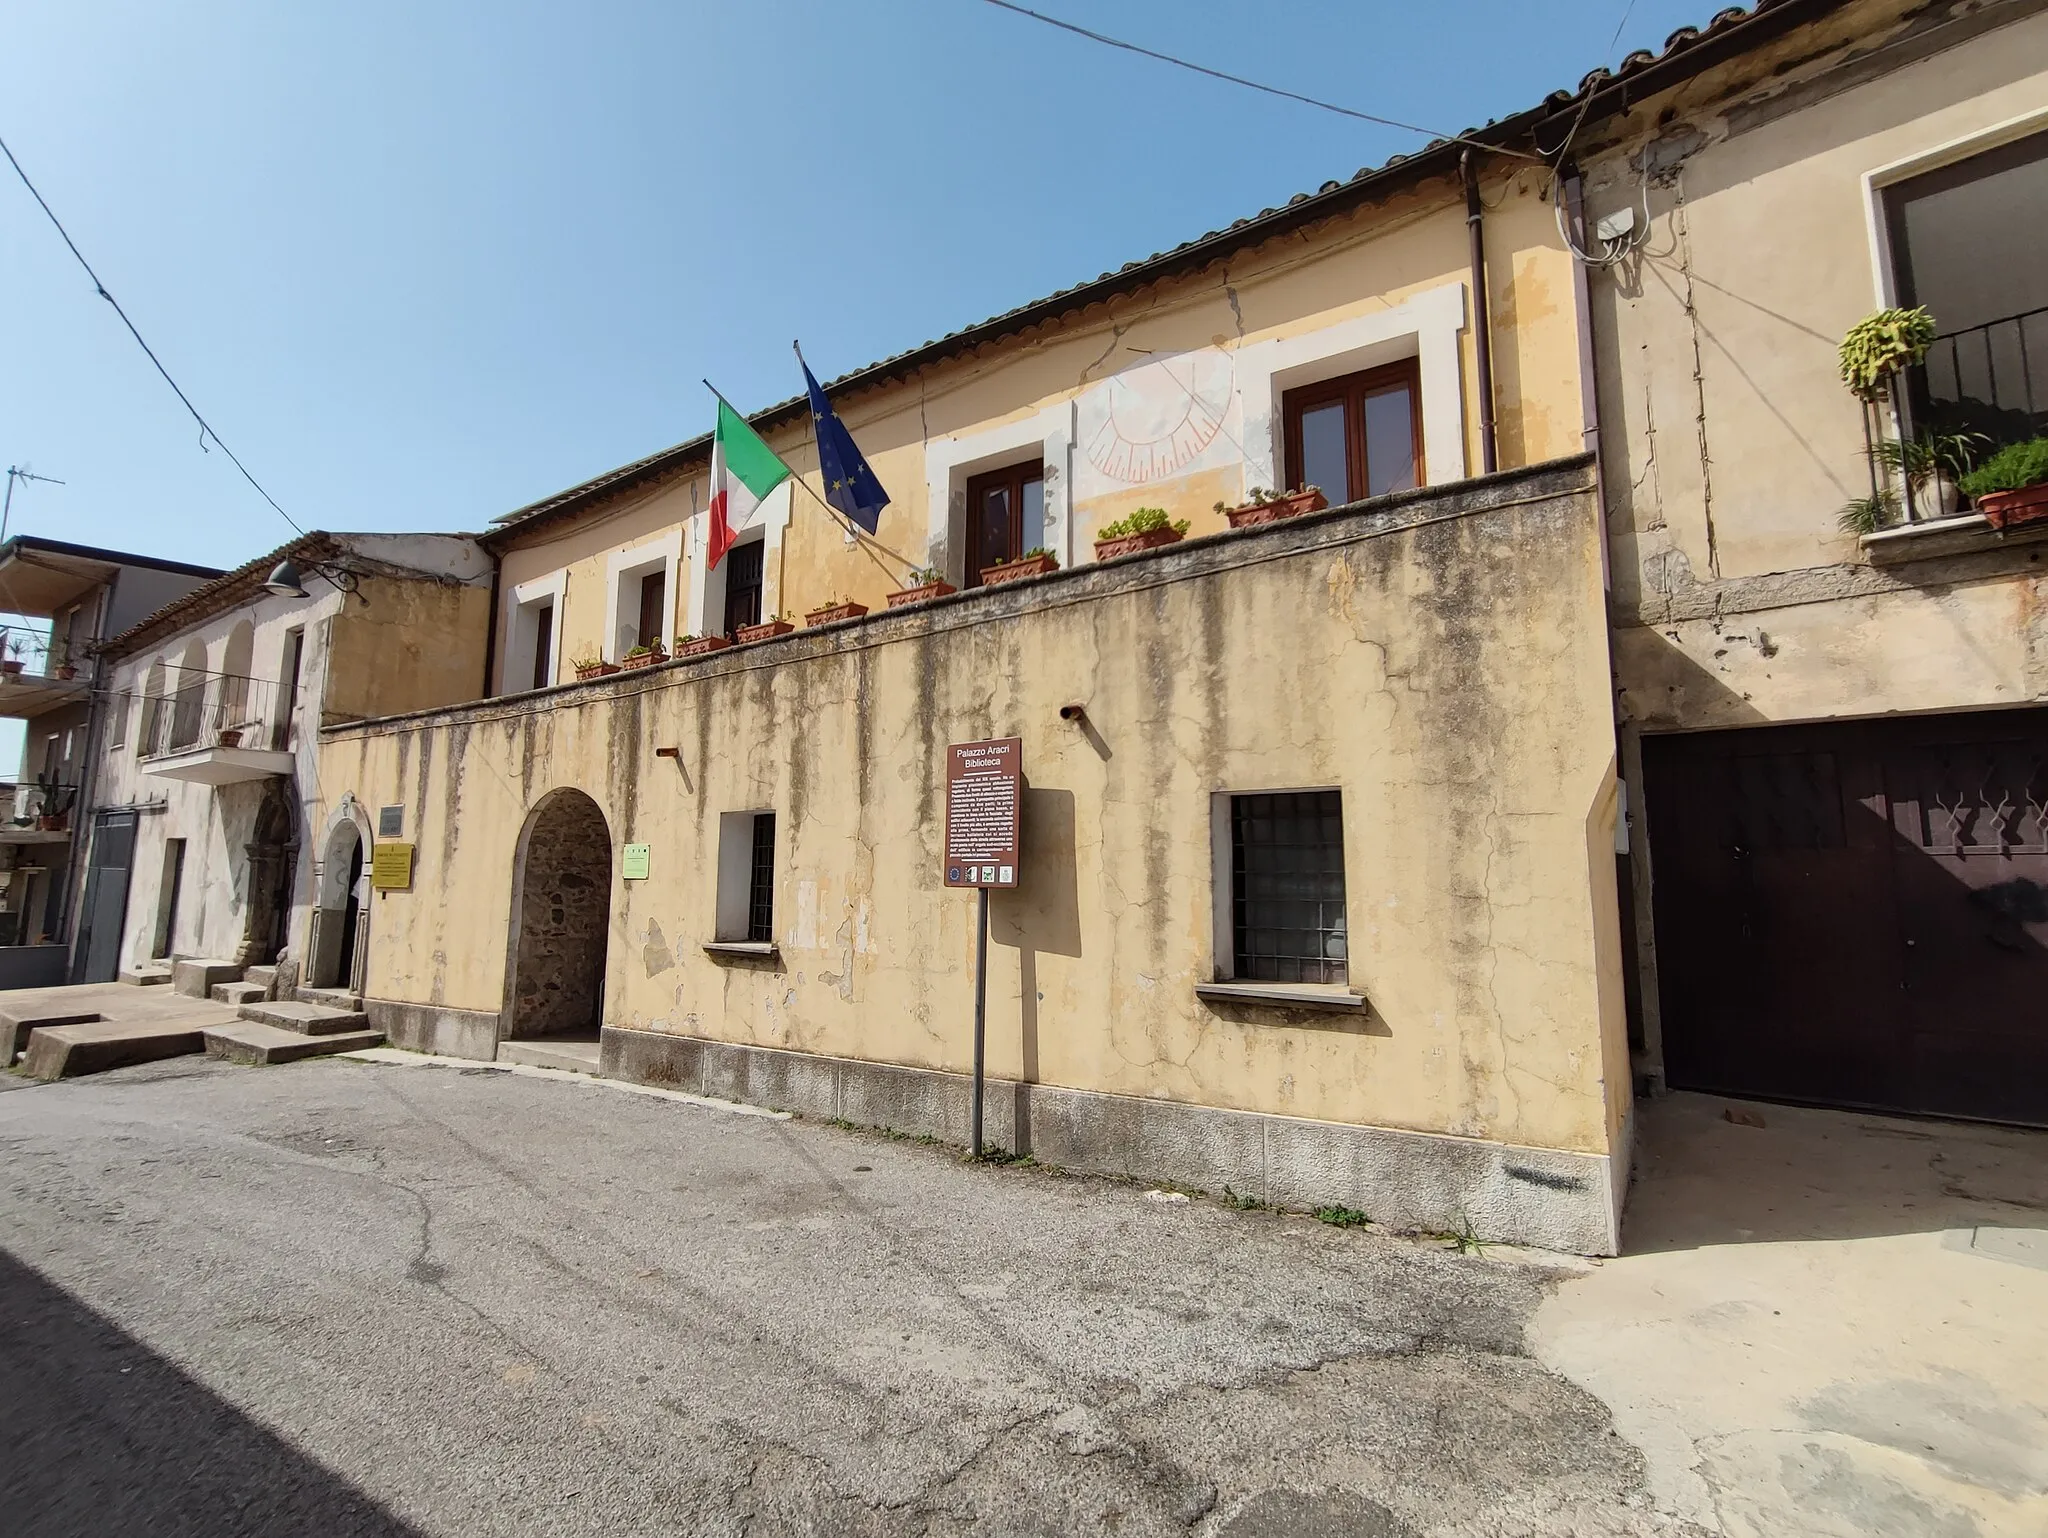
(269, 902)
(561, 919)
(188, 694)
(338, 940)
(149, 735)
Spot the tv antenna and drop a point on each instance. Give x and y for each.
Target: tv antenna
(19, 473)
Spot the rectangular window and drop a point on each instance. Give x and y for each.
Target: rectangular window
(543, 622)
(1964, 243)
(653, 606)
(743, 584)
(288, 687)
(1356, 437)
(761, 881)
(167, 898)
(1005, 516)
(745, 915)
(1287, 920)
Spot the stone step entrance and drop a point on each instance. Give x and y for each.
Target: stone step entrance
(285, 1030)
(577, 1054)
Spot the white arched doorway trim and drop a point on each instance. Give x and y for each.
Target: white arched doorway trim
(337, 953)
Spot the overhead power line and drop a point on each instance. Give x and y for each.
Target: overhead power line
(1253, 85)
(205, 430)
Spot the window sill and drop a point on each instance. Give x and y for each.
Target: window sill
(1961, 535)
(1331, 996)
(754, 948)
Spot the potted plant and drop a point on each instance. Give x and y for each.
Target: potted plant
(700, 645)
(767, 630)
(230, 738)
(1146, 529)
(1868, 515)
(1035, 562)
(1264, 506)
(925, 582)
(1882, 345)
(2011, 487)
(592, 667)
(11, 664)
(644, 655)
(54, 810)
(835, 610)
(1931, 465)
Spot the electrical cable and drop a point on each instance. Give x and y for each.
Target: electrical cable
(1586, 106)
(1271, 90)
(205, 431)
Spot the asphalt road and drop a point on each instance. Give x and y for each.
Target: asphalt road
(343, 1298)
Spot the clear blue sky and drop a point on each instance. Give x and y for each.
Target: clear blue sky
(420, 264)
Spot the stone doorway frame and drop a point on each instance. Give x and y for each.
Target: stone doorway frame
(557, 801)
(326, 967)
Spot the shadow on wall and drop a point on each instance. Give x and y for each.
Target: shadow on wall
(1670, 690)
(106, 1437)
(1040, 916)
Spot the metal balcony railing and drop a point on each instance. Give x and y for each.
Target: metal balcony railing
(203, 710)
(1990, 379)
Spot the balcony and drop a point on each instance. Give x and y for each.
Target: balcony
(1990, 379)
(25, 695)
(37, 814)
(212, 729)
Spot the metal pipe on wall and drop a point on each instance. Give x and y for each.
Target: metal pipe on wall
(1482, 318)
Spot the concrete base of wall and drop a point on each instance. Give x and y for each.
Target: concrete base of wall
(436, 1028)
(1407, 1180)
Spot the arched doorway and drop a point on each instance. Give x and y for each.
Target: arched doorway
(340, 926)
(561, 919)
(267, 904)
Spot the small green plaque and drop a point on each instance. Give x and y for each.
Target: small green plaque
(636, 862)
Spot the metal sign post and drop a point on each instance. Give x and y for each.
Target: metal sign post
(984, 791)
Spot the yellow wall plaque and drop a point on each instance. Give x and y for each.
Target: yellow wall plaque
(391, 867)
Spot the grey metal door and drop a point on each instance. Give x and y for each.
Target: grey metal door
(106, 895)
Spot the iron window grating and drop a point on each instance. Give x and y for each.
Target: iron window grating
(1287, 887)
(761, 881)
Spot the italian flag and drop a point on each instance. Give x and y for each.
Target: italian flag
(743, 471)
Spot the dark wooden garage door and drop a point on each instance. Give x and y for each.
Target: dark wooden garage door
(1856, 914)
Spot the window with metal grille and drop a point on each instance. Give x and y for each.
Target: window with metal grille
(1287, 887)
(761, 881)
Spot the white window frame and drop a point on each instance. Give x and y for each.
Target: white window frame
(663, 553)
(950, 462)
(735, 892)
(1426, 327)
(1947, 153)
(1222, 869)
(515, 646)
(707, 585)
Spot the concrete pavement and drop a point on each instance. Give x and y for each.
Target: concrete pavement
(1825, 1323)
(356, 1298)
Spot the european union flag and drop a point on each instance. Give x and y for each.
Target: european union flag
(850, 483)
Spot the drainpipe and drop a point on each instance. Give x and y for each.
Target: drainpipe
(1482, 320)
(1589, 392)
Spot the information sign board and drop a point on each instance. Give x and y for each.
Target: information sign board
(984, 791)
(391, 867)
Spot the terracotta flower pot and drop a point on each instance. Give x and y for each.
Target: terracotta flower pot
(832, 613)
(1131, 544)
(767, 630)
(11, 668)
(1293, 505)
(1012, 571)
(634, 661)
(2003, 509)
(53, 822)
(229, 739)
(703, 646)
(920, 593)
(595, 670)
(67, 672)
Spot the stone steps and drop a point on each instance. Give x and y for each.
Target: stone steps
(260, 1045)
(577, 1056)
(263, 977)
(305, 1018)
(331, 998)
(197, 978)
(240, 993)
(15, 1029)
(65, 1051)
(148, 974)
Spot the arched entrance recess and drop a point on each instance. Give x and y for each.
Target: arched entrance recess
(561, 919)
(268, 905)
(341, 922)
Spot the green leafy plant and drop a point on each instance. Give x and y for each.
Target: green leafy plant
(1036, 552)
(586, 662)
(2013, 468)
(1242, 1202)
(1925, 455)
(641, 650)
(56, 798)
(924, 576)
(1143, 521)
(686, 638)
(1866, 515)
(1463, 1238)
(1342, 1217)
(1880, 345)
